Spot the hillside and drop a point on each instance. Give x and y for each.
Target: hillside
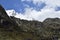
(12, 28)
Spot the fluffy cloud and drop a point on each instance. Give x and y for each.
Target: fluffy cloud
(11, 12)
(31, 14)
(46, 1)
(49, 3)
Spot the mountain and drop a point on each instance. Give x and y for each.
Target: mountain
(12, 28)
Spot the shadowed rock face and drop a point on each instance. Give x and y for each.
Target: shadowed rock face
(5, 21)
(12, 28)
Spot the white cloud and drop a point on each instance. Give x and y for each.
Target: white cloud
(47, 12)
(31, 14)
(51, 3)
(11, 12)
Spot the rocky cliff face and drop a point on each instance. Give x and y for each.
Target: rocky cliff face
(12, 28)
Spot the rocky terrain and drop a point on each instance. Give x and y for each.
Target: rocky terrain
(12, 28)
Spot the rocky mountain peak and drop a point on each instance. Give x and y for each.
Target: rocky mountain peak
(12, 28)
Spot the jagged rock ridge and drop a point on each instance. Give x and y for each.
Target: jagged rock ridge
(12, 28)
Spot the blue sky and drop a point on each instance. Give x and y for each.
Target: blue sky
(19, 5)
(32, 9)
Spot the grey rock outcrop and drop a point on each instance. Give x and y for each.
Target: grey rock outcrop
(49, 29)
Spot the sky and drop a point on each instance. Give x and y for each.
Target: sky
(32, 9)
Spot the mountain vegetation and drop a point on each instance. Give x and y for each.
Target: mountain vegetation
(12, 28)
